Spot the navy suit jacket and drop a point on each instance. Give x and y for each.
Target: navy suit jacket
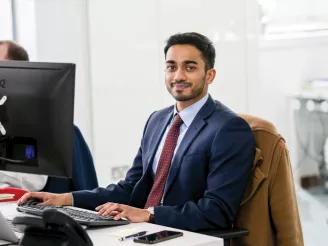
(208, 173)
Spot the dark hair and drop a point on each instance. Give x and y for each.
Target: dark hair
(15, 51)
(199, 41)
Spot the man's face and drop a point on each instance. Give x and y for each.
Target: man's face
(3, 52)
(185, 74)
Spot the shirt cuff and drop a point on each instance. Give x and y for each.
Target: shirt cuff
(72, 200)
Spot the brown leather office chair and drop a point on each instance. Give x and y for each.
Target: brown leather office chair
(269, 208)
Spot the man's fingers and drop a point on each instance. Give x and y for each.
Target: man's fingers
(104, 208)
(114, 213)
(44, 203)
(103, 205)
(38, 195)
(111, 208)
(29, 195)
(120, 215)
(24, 198)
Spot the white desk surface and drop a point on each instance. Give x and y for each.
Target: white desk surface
(101, 237)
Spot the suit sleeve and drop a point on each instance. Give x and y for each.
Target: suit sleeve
(118, 193)
(283, 203)
(231, 157)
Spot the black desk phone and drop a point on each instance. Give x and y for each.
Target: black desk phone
(53, 228)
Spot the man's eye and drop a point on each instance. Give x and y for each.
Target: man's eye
(170, 68)
(191, 68)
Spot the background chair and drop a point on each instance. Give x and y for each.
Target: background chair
(269, 208)
(84, 175)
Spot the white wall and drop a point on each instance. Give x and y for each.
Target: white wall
(118, 49)
(6, 23)
(25, 27)
(127, 65)
(57, 31)
(283, 66)
(122, 80)
(125, 78)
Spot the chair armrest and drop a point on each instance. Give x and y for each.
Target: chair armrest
(227, 233)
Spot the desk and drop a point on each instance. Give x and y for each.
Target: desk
(100, 237)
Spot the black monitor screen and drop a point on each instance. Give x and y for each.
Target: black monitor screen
(36, 117)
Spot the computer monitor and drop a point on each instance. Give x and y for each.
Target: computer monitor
(36, 117)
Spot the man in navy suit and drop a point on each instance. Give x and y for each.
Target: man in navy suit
(195, 157)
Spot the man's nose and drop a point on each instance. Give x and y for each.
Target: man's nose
(180, 75)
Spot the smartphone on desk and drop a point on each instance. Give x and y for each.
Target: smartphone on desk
(158, 237)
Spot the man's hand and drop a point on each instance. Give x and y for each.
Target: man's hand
(123, 211)
(48, 198)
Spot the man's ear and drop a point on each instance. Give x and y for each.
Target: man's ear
(210, 76)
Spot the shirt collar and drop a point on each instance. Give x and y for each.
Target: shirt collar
(188, 114)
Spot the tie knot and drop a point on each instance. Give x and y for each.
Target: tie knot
(177, 121)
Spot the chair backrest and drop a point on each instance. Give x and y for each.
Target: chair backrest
(84, 173)
(269, 207)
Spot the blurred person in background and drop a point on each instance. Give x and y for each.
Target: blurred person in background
(83, 171)
(10, 50)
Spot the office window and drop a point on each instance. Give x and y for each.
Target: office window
(6, 20)
(293, 18)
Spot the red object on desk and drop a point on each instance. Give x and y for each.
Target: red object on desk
(18, 193)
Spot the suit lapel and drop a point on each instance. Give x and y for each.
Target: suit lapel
(157, 136)
(196, 126)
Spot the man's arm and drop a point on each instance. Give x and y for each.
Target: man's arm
(230, 164)
(26, 181)
(118, 193)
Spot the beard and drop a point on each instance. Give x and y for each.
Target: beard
(179, 95)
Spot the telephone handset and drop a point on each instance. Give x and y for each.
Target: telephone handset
(54, 228)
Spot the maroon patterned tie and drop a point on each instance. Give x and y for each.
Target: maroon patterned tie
(164, 163)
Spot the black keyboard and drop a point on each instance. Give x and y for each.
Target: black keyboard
(82, 216)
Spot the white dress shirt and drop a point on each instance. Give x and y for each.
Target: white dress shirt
(187, 115)
(30, 182)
